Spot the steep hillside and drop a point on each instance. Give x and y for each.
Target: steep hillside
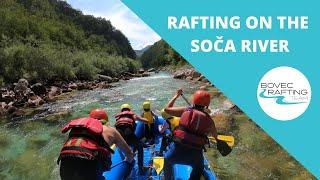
(161, 54)
(44, 40)
(141, 51)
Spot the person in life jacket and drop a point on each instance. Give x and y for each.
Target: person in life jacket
(171, 123)
(125, 124)
(190, 135)
(151, 117)
(87, 154)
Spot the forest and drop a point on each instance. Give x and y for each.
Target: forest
(48, 40)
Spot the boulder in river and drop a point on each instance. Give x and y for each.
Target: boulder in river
(35, 101)
(39, 89)
(105, 78)
(54, 91)
(151, 70)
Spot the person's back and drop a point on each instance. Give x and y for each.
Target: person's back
(190, 135)
(125, 125)
(149, 126)
(86, 154)
(194, 127)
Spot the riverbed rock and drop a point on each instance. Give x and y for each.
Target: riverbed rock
(126, 78)
(105, 78)
(141, 71)
(145, 74)
(18, 113)
(104, 85)
(66, 90)
(179, 75)
(231, 108)
(195, 74)
(11, 109)
(54, 91)
(73, 86)
(3, 109)
(7, 96)
(151, 70)
(116, 79)
(189, 78)
(204, 87)
(39, 89)
(35, 101)
(203, 79)
(22, 85)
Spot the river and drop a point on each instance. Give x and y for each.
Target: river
(29, 147)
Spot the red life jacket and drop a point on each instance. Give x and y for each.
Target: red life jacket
(86, 141)
(125, 118)
(194, 126)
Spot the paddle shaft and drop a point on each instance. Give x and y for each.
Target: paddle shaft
(185, 99)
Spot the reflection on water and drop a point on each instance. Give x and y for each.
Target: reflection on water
(29, 147)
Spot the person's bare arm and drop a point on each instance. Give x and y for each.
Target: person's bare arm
(117, 139)
(139, 118)
(123, 146)
(174, 111)
(174, 98)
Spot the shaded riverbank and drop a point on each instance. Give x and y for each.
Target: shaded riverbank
(33, 143)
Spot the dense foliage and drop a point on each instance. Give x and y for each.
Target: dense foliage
(45, 40)
(161, 54)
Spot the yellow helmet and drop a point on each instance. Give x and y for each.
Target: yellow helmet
(165, 114)
(146, 105)
(125, 106)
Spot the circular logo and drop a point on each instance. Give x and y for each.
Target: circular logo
(284, 93)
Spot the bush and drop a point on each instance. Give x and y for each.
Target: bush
(83, 66)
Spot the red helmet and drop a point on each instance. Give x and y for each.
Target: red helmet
(201, 98)
(99, 114)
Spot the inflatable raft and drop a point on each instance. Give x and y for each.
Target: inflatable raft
(120, 169)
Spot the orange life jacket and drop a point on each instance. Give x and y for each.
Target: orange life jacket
(194, 126)
(86, 141)
(125, 118)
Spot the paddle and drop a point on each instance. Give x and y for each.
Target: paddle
(158, 163)
(228, 139)
(222, 142)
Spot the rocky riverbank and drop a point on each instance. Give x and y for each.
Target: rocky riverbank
(190, 74)
(223, 117)
(16, 98)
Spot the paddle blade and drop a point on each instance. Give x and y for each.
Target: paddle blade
(228, 139)
(158, 163)
(113, 146)
(223, 148)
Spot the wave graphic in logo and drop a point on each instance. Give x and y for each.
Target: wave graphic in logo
(279, 99)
